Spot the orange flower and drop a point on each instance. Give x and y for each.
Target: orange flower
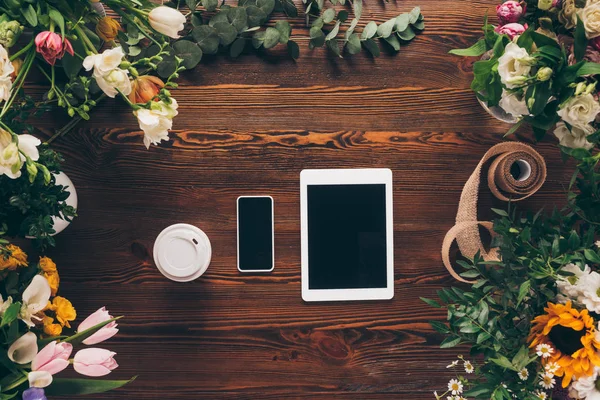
(145, 88)
(47, 265)
(65, 312)
(17, 63)
(572, 335)
(50, 328)
(108, 28)
(17, 258)
(53, 280)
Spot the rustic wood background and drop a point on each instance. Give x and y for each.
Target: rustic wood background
(249, 126)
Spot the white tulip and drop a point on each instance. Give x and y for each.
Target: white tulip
(6, 69)
(513, 64)
(156, 121)
(512, 104)
(35, 299)
(24, 349)
(167, 21)
(575, 137)
(579, 111)
(39, 379)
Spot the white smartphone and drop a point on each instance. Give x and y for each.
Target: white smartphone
(255, 234)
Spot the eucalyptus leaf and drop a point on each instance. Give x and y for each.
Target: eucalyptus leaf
(414, 15)
(369, 31)
(272, 37)
(258, 39)
(237, 47)
(189, 52)
(256, 16)
(293, 49)
(384, 30)
(393, 42)
(328, 15)
(351, 28)
(357, 6)
(407, 35)
(342, 16)
(284, 29)
(353, 44)
(221, 16)
(333, 45)
(207, 38)
(266, 5)
(210, 5)
(238, 18)
(402, 22)
(226, 32)
(333, 33)
(372, 47)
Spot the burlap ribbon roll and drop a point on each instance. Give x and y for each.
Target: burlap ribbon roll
(504, 186)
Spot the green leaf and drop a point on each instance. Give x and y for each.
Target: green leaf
(328, 15)
(207, 38)
(192, 4)
(414, 15)
(580, 40)
(284, 29)
(189, 52)
(503, 362)
(357, 7)
(450, 342)
(402, 22)
(272, 36)
(238, 18)
(317, 37)
(58, 19)
(79, 337)
(474, 51)
(407, 35)
(293, 49)
(350, 29)
(258, 39)
(369, 31)
(541, 94)
(333, 33)
(342, 16)
(523, 291)
(30, 15)
(419, 25)
(10, 315)
(432, 303)
(210, 5)
(384, 30)
(482, 337)
(500, 212)
(588, 68)
(333, 45)
(591, 256)
(372, 47)
(226, 32)
(393, 41)
(353, 44)
(237, 47)
(256, 16)
(70, 387)
(266, 5)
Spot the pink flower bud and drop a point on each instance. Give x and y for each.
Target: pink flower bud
(508, 12)
(511, 30)
(104, 333)
(595, 43)
(94, 362)
(52, 46)
(53, 358)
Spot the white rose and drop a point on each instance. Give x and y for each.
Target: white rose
(579, 111)
(590, 16)
(115, 79)
(6, 69)
(104, 63)
(512, 104)
(11, 159)
(574, 138)
(167, 21)
(512, 64)
(156, 121)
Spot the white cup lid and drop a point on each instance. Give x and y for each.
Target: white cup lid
(182, 252)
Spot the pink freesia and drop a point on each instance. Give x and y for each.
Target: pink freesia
(104, 333)
(53, 358)
(52, 46)
(511, 30)
(510, 11)
(94, 362)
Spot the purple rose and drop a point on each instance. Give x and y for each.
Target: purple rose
(508, 12)
(34, 394)
(511, 30)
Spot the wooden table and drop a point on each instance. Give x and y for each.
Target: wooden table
(249, 126)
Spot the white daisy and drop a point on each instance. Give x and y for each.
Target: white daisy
(455, 386)
(585, 387)
(552, 368)
(541, 395)
(452, 364)
(523, 374)
(544, 350)
(547, 381)
(468, 367)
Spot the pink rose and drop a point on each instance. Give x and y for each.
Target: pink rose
(94, 362)
(104, 333)
(508, 12)
(53, 358)
(511, 30)
(52, 47)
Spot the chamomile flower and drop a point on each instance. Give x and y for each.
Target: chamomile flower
(523, 374)
(452, 364)
(598, 244)
(455, 386)
(541, 395)
(552, 368)
(547, 381)
(544, 350)
(468, 367)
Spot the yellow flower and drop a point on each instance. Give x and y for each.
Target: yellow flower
(108, 28)
(53, 280)
(47, 265)
(64, 310)
(572, 335)
(17, 258)
(50, 328)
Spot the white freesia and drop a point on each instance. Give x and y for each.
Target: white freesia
(513, 104)
(585, 387)
(579, 111)
(590, 16)
(4, 304)
(24, 349)
(39, 379)
(512, 65)
(6, 69)
(156, 121)
(109, 77)
(35, 299)
(575, 137)
(167, 21)
(12, 156)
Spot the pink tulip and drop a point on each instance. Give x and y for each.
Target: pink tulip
(510, 11)
(511, 30)
(52, 46)
(53, 358)
(104, 333)
(94, 362)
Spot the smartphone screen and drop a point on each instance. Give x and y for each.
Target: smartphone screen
(255, 233)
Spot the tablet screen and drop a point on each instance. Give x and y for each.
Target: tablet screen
(346, 236)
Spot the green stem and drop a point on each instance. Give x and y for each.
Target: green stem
(141, 29)
(19, 81)
(23, 50)
(86, 40)
(15, 384)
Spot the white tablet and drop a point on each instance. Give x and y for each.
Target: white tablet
(347, 234)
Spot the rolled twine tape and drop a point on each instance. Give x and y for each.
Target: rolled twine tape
(503, 186)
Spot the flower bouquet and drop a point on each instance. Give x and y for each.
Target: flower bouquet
(35, 346)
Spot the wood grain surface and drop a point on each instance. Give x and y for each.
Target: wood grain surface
(248, 127)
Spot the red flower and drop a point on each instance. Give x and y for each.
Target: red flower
(52, 46)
